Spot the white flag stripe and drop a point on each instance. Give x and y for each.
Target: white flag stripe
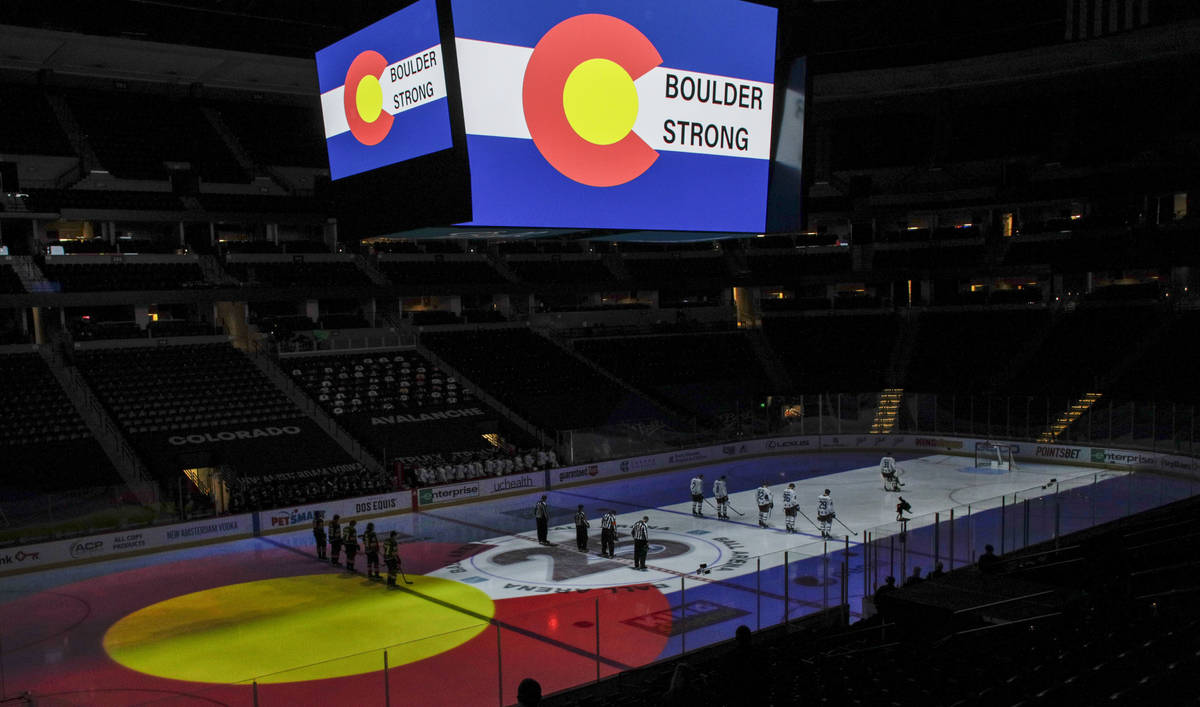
(492, 75)
(740, 129)
(425, 82)
(334, 112)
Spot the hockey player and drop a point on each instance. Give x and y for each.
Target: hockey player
(765, 503)
(791, 504)
(371, 550)
(318, 531)
(641, 543)
(581, 528)
(697, 489)
(825, 514)
(721, 491)
(890, 473)
(350, 544)
(901, 508)
(608, 534)
(335, 539)
(541, 514)
(391, 558)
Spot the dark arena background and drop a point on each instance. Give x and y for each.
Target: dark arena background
(905, 290)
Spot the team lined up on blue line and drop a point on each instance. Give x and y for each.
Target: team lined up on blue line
(764, 498)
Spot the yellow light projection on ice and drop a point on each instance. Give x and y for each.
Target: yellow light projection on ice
(368, 98)
(295, 628)
(600, 101)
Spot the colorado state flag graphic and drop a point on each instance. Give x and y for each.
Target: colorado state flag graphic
(617, 113)
(383, 92)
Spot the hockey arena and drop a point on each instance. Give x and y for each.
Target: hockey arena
(222, 623)
(601, 353)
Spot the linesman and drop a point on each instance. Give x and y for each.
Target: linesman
(581, 529)
(641, 543)
(608, 534)
(541, 514)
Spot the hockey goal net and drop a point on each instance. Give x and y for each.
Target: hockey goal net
(993, 455)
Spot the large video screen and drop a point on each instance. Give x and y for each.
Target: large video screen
(785, 214)
(617, 113)
(383, 92)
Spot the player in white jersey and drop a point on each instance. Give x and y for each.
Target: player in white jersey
(697, 490)
(825, 514)
(791, 504)
(721, 491)
(765, 502)
(890, 473)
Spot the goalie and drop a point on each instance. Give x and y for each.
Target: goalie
(890, 473)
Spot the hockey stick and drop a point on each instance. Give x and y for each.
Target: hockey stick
(727, 503)
(839, 520)
(404, 576)
(711, 505)
(808, 519)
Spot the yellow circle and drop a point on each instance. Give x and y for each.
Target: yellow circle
(600, 101)
(296, 628)
(368, 98)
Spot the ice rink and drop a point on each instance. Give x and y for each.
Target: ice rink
(489, 605)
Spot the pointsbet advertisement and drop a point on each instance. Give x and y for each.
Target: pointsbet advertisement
(617, 113)
(383, 93)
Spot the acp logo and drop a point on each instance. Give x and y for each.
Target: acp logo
(580, 101)
(84, 548)
(363, 99)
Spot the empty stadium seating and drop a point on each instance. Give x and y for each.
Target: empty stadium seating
(561, 271)
(705, 373)
(94, 277)
(356, 388)
(134, 134)
(277, 135)
(45, 445)
(27, 124)
(297, 274)
(167, 398)
(675, 269)
(541, 382)
(1166, 371)
(1084, 347)
(427, 271)
(971, 350)
(847, 353)
(10, 283)
(787, 267)
(374, 383)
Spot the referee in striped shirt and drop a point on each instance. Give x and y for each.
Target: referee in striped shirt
(641, 543)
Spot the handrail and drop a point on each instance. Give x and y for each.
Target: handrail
(1001, 602)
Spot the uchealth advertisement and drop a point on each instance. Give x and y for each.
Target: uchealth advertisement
(301, 517)
(481, 488)
(60, 552)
